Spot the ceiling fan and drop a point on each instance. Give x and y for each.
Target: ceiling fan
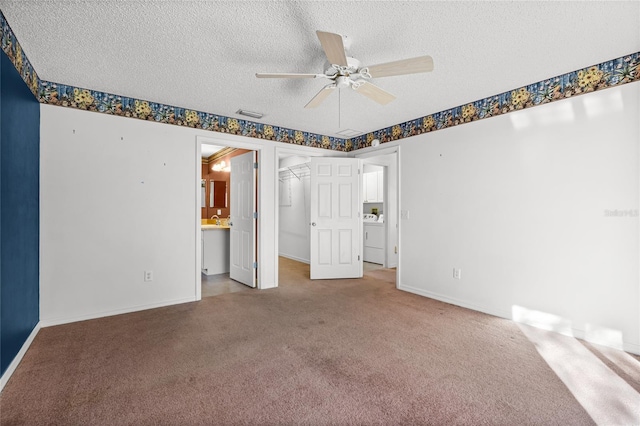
(345, 71)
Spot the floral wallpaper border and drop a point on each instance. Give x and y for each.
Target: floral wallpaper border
(91, 100)
(597, 77)
(14, 51)
(107, 103)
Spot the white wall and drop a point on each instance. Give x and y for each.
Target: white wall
(518, 203)
(294, 221)
(118, 197)
(518, 207)
(366, 207)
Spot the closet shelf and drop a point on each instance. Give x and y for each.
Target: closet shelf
(298, 171)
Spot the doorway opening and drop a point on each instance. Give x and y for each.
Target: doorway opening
(381, 206)
(294, 211)
(293, 207)
(217, 199)
(227, 217)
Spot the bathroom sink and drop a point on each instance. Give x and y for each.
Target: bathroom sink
(211, 224)
(214, 226)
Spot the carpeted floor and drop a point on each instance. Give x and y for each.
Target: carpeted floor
(316, 353)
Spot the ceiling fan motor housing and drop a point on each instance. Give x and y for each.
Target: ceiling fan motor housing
(353, 65)
(349, 76)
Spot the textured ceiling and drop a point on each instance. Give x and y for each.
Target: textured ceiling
(203, 55)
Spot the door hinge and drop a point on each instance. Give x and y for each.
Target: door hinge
(358, 171)
(255, 265)
(255, 215)
(255, 165)
(358, 257)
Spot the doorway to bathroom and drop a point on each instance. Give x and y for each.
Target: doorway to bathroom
(228, 219)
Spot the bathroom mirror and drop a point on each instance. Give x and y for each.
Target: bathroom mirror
(218, 194)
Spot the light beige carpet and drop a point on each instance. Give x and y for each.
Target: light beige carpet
(316, 353)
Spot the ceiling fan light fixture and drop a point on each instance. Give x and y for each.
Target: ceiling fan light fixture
(249, 113)
(342, 82)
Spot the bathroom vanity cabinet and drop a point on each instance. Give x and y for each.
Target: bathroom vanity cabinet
(215, 250)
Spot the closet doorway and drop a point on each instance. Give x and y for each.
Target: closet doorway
(294, 210)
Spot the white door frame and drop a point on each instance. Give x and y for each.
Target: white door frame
(388, 148)
(391, 149)
(265, 216)
(268, 154)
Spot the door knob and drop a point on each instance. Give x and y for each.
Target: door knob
(313, 224)
(230, 223)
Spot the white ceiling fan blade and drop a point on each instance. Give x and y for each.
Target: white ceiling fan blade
(287, 75)
(320, 96)
(373, 92)
(402, 67)
(333, 47)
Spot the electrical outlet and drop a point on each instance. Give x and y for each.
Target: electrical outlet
(219, 212)
(457, 273)
(148, 275)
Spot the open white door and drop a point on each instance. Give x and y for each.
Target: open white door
(336, 223)
(242, 221)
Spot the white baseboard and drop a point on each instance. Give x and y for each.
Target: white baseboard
(631, 348)
(574, 332)
(297, 259)
(454, 301)
(48, 322)
(16, 361)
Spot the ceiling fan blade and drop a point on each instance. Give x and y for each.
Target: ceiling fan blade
(320, 96)
(402, 67)
(333, 47)
(287, 75)
(373, 92)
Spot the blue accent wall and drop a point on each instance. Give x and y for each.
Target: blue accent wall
(19, 212)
